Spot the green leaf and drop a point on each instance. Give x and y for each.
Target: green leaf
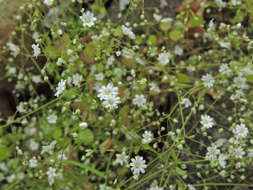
(152, 40)
(5, 152)
(179, 171)
(249, 78)
(57, 133)
(86, 167)
(239, 17)
(165, 26)
(196, 21)
(71, 93)
(183, 78)
(86, 137)
(176, 35)
(51, 52)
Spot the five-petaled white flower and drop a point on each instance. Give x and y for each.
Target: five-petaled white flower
(147, 137)
(88, 19)
(139, 100)
(207, 121)
(52, 118)
(186, 102)
(121, 158)
(138, 165)
(109, 95)
(128, 32)
(164, 58)
(208, 80)
(212, 152)
(240, 131)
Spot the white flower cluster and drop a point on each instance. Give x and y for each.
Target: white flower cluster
(75, 80)
(147, 137)
(48, 148)
(60, 87)
(138, 164)
(109, 95)
(52, 175)
(128, 32)
(36, 50)
(15, 50)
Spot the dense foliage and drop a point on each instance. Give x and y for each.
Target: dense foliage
(130, 99)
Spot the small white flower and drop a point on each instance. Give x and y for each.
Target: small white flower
(123, 4)
(220, 3)
(250, 152)
(36, 79)
(52, 118)
(48, 148)
(88, 19)
(208, 80)
(178, 50)
(36, 50)
(225, 44)
(154, 186)
(105, 187)
(164, 58)
(48, 2)
(154, 87)
(110, 60)
(15, 50)
(212, 153)
(139, 100)
(237, 95)
(191, 187)
(241, 82)
(207, 121)
(33, 162)
(60, 88)
(111, 102)
(99, 76)
(33, 145)
(52, 175)
(186, 102)
(157, 17)
(240, 131)
(225, 70)
(138, 165)
(11, 178)
(122, 158)
(77, 79)
(237, 152)
(61, 156)
(60, 61)
(147, 137)
(222, 160)
(36, 36)
(106, 92)
(236, 2)
(128, 32)
(83, 125)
